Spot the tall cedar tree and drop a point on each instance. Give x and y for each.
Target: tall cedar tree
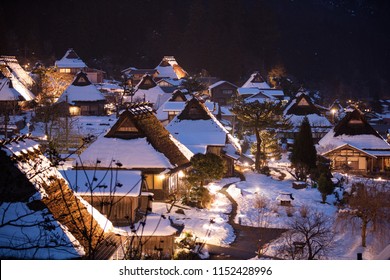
(304, 154)
(257, 117)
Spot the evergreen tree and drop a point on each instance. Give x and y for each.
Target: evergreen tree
(257, 117)
(269, 148)
(203, 168)
(193, 85)
(304, 155)
(325, 186)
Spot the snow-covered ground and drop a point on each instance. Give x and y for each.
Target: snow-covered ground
(246, 193)
(197, 221)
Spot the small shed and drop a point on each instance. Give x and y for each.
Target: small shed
(285, 199)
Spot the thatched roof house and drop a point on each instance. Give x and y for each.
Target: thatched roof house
(302, 106)
(138, 141)
(83, 97)
(7, 91)
(147, 90)
(256, 81)
(42, 218)
(17, 70)
(197, 128)
(17, 81)
(353, 144)
(70, 63)
(169, 68)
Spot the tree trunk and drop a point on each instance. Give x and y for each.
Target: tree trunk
(364, 232)
(258, 150)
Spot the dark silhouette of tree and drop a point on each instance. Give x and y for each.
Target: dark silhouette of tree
(325, 186)
(203, 168)
(309, 237)
(256, 117)
(304, 154)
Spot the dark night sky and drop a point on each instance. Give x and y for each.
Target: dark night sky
(341, 47)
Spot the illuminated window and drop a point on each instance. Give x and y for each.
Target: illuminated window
(64, 70)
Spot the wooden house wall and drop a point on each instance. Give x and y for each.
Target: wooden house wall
(91, 108)
(120, 210)
(229, 166)
(157, 245)
(95, 77)
(219, 93)
(358, 161)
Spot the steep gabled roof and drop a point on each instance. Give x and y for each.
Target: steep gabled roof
(169, 68)
(146, 90)
(81, 89)
(194, 110)
(197, 128)
(41, 203)
(70, 60)
(354, 123)
(257, 81)
(178, 95)
(146, 82)
(261, 96)
(81, 80)
(17, 70)
(220, 83)
(355, 131)
(141, 141)
(18, 85)
(301, 106)
(7, 91)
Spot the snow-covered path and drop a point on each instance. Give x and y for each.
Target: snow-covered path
(248, 239)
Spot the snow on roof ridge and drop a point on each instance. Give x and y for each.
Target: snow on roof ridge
(219, 83)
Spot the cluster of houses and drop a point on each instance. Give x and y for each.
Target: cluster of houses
(143, 155)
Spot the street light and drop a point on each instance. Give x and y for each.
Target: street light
(333, 112)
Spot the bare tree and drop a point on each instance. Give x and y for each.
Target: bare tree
(310, 237)
(368, 206)
(260, 205)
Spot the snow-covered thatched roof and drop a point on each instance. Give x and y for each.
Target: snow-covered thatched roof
(353, 130)
(7, 91)
(17, 70)
(220, 83)
(16, 83)
(137, 141)
(146, 90)
(197, 128)
(36, 203)
(256, 81)
(169, 68)
(302, 106)
(70, 60)
(81, 89)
